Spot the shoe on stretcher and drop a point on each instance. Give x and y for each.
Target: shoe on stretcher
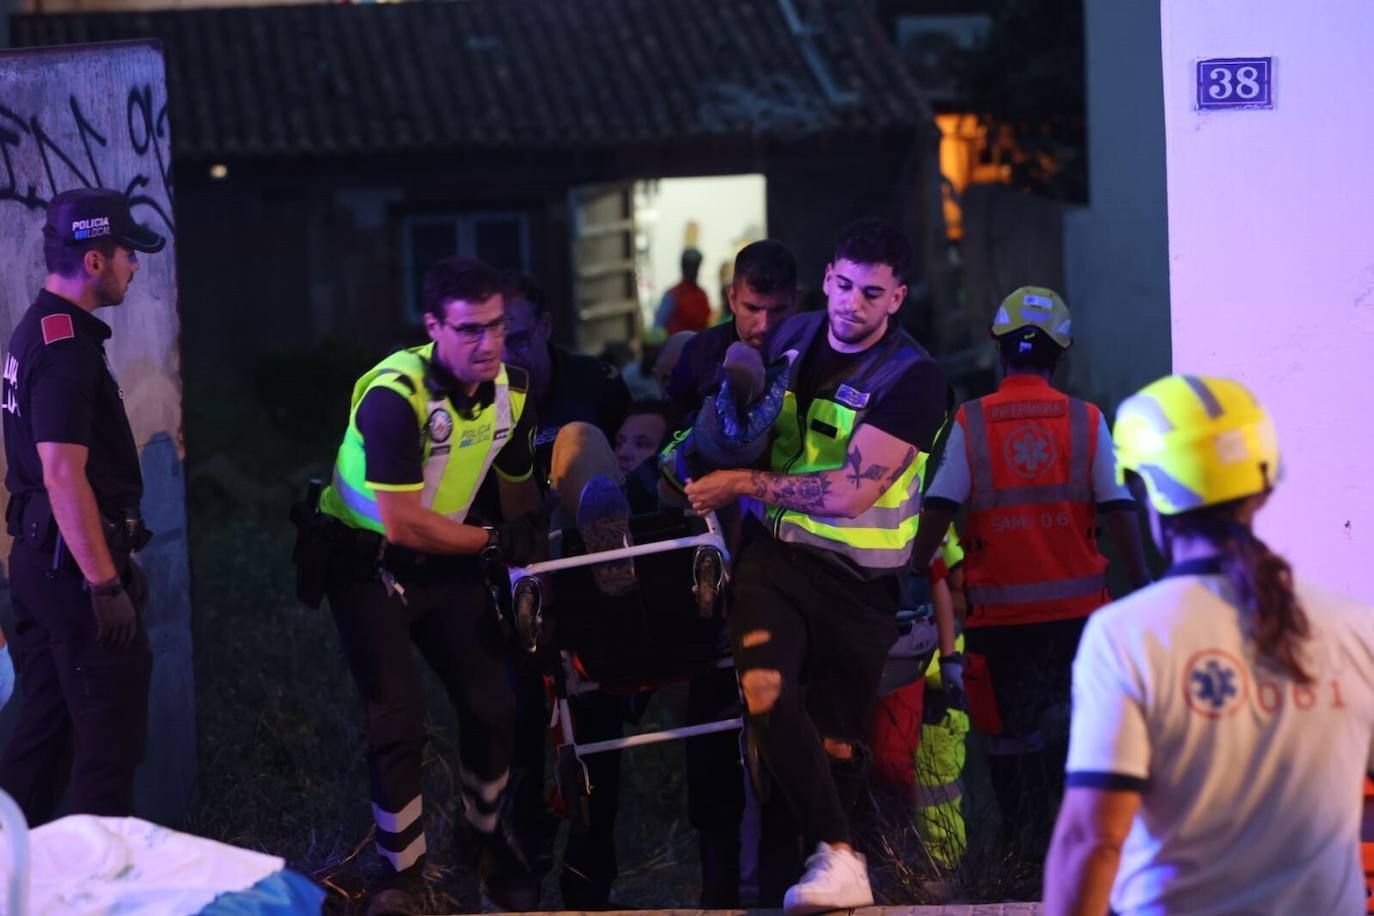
(603, 520)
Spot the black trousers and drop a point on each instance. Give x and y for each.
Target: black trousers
(823, 635)
(456, 631)
(1031, 669)
(83, 718)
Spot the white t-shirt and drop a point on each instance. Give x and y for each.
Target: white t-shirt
(1251, 785)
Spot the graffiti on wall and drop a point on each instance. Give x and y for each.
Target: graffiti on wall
(77, 161)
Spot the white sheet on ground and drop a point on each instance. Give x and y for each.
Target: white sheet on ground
(96, 865)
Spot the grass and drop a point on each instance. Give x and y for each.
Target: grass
(280, 724)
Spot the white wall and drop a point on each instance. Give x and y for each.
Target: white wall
(1271, 261)
(1116, 250)
(727, 210)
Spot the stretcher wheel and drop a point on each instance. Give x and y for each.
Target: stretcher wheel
(529, 613)
(572, 785)
(708, 580)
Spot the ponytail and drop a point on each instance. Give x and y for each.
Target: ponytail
(1261, 580)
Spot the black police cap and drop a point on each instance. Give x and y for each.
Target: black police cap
(84, 215)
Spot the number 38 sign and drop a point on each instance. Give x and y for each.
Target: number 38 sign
(1235, 82)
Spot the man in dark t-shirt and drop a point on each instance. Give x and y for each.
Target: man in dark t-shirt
(816, 591)
(581, 402)
(566, 386)
(74, 481)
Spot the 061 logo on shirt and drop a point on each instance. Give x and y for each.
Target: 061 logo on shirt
(1215, 683)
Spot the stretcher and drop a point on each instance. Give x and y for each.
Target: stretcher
(83, 864)
(658, 634)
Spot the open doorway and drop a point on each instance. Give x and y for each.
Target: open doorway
(716, 215)
(628, 242)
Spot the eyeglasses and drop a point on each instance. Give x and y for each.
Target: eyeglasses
(473, 333)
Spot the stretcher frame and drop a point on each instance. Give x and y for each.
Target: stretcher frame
(568, 682)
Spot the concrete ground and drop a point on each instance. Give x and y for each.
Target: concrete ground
(973, 909)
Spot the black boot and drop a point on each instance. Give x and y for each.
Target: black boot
(398, 893)
(506, 876)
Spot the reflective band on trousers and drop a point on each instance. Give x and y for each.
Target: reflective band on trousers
(930, 796)
(407, 857)
(1033, 592)
(395, 822)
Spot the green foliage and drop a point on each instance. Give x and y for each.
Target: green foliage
(1026, 79)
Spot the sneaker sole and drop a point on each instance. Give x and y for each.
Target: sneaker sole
(603, 520)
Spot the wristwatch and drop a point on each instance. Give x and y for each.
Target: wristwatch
(108, 588)
(493, 549)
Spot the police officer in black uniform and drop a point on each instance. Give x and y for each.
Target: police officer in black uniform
(73, 475)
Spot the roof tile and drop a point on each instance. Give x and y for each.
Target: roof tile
(328, 79)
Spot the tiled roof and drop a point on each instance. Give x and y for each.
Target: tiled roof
(337, 80)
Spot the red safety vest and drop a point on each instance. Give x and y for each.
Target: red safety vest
(1031, 531)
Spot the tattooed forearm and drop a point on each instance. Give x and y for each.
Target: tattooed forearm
(800, 492)
(858, 473)
(900, 469)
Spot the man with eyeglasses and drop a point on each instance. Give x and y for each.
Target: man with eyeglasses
(427, 425)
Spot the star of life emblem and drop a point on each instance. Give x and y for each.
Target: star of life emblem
(1215, 684)
(1030, 450)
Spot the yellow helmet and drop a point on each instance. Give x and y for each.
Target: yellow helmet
(1196, 442)
(1035, 307)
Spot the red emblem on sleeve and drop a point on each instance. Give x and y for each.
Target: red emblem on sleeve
(57, 327)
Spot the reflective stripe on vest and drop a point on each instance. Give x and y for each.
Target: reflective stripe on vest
(1036, 592)
(448, 486)
(1029, 496)
(1031, 508)
(881, 537)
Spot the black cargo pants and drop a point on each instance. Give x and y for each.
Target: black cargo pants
(83, 718)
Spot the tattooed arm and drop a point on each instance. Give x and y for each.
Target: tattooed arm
(876, 460)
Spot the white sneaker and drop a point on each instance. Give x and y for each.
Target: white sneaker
(835, 879)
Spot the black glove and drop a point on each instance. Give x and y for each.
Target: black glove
(952, 680)
(517, 542)
(116, 620)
